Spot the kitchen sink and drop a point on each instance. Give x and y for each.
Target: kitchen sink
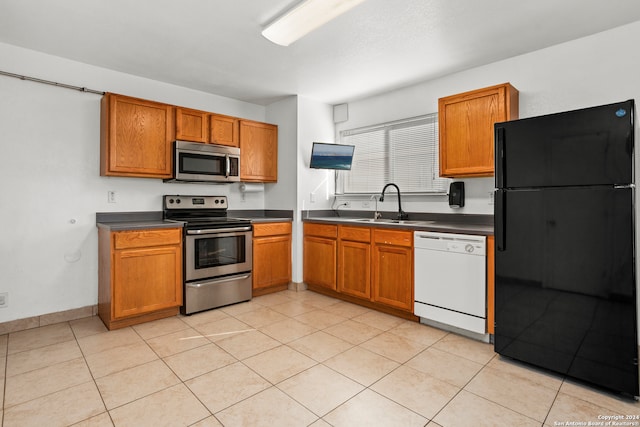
(392, 221)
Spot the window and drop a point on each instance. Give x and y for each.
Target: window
(404, 152)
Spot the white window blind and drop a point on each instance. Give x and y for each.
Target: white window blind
(404, 152)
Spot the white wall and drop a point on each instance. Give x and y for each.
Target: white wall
(591, 71)
(296, 181)
(49, 170)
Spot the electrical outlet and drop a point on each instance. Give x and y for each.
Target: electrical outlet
(4, 299)
(111, 196)
(312, 197)
(491, 197)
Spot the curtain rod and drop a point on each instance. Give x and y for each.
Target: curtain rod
(49, 82)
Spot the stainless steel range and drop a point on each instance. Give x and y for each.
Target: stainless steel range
(217, 252)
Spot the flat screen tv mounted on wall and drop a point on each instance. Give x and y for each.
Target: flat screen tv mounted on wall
(331, 156)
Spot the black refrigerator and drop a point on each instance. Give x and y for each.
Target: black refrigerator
(565, 280)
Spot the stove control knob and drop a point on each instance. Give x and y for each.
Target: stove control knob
(178, 201)
(217, 201)
(170, 201)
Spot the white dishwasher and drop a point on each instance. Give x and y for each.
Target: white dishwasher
(450, 279)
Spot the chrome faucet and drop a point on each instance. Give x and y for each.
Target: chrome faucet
(376, 214)
(401, 214)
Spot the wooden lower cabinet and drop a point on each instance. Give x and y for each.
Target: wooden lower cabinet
(393, 268)
(354, 261)
(320, 255)
(271, 257)
(371, 266)
(140, 275)
(490, 285)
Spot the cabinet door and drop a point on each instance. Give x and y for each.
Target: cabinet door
(466, 129)
(271, 261)
(354, 269)
(192, 125)
(354, 261)
(393, 276)
(258, 152)
(224, 130)
(320, 261)
(135, 137)
(146, 279)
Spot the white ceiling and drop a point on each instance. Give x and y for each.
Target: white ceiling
(215, 45)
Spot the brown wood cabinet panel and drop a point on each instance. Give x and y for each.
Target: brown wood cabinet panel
(392, 281)
(271, 229)
(355, 234)
(320, 256)
(490, 284)
(224, 130)
(140, 275)
(466, 129)
(271, 257)
(354, 268)
(135, 137)
(192, 125)
(321, 230)
(146, 280)
(393, 237)
(354, 261)
(258, 151)
(146, 238)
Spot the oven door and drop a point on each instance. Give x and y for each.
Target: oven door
(217, 252)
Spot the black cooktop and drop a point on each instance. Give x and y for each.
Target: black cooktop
(200, 212)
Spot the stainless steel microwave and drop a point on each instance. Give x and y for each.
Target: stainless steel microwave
(196, 162)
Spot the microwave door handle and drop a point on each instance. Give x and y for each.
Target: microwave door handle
(228, 166)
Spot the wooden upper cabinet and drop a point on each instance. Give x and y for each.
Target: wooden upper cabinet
(258, 151)
(466, 129)
(224, 130)
(135, 137)
(192, 125)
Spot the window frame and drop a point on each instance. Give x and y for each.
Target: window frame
(438, 185)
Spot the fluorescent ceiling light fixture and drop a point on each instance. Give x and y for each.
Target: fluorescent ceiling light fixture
(304, 18)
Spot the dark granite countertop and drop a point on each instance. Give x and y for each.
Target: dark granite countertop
(446, 223)
(120, 221)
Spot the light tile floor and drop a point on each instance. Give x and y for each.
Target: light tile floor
(284, 359)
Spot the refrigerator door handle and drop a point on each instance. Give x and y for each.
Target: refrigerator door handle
(500, 219)
(500, 158)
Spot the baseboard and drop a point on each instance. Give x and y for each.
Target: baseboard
(47, 319)
(295, 286)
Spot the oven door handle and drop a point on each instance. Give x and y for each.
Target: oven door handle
(218, 230)
(216, 281)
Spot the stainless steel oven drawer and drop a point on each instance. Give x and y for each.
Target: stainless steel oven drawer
(211, 293)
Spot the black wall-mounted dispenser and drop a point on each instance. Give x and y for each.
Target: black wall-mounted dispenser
(456, 194)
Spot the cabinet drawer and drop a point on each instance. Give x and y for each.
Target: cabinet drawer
(271, 229)
(391, 237)
(322, 230)
(146, 238)
(355, 234)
